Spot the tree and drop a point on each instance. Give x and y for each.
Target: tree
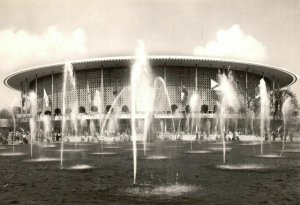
(16, 110)
(284, 94)
(5, 114)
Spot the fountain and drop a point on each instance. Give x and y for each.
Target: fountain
(46, 119)
(141, 98)
(173, 190)
(158, 96)
(70, 106)
(243, 167)
(98, 102)
(33, 119)
(229, 99)
(193, 104)
(13, 153)
(43, 159)
(264, 112)
(158, 180)
(112, 108)
(156, 157)
(287, 109)
(80, 167)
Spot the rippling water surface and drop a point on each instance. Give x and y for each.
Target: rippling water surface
(179, 178)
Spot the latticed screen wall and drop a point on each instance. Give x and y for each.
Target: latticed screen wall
(177, 77)
(207, 95)
(116, 80)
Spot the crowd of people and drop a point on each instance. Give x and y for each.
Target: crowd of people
(23, 136)
(19, 137)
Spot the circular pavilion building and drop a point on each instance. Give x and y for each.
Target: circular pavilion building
(110, 75)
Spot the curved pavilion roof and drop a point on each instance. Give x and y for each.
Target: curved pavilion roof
(285, 77)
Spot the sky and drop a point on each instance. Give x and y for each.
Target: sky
(35, 32)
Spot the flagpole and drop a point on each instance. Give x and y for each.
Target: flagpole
(22, 100)
(196, 78)
(26, 97)
(88, 96)
(36, 90)
(52, 94)
(247, 105)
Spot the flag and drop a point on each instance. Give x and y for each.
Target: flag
(25, 102)
(214, 85)
(46, 98)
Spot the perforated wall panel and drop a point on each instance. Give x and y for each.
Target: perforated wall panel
(116, 80)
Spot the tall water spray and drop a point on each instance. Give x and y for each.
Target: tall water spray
(70, 102)
(92, 128)
(47, 127)
(160, 92)
(98, 102)
(33, 119)
(14, 128)
(74, 116)
(251, 116)
(229, 100)
(286, 110)
(264, 111)
(113, 106)
(194, 105)
(141, 98)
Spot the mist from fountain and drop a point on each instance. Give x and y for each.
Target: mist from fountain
(194, 105)
(141, 97)
(47, 128)
(112, 108)
(14, 128)
(229, 99)
(92, 128)
(83, 125)
(108, 122)
(158, 95)
(69, 87)
(33, 119)
(287, 109)
(74, 116)
(251, 117)
(98, 102)
(264, 111)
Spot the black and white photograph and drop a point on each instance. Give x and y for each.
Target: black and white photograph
(180, 102)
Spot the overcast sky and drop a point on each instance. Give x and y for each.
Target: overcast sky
(35, 32)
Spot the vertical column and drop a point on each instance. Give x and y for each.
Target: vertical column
(22, 98)
(102, 88)
(76, 93)
(87, 92)
(165, 79)
(273, 96)
(57, 91)
(246, 97)
(36, 91)
(247, 88)
(278, 98)
(273, 88)
(36, 85)
(196, 78)
(26, 94)
(165, 73)
(52, 93)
